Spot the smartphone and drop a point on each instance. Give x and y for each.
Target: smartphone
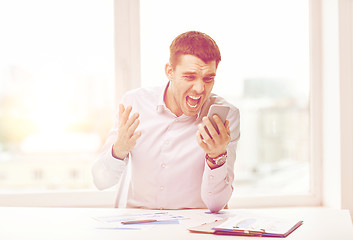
(221, 111)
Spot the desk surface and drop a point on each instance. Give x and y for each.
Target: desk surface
(78, 223)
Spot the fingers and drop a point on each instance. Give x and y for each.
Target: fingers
(201, 141)
(132, 124)
(211, 130)
(224, 131)
(124, 114)
(121, 110)
(221, 127)
(127, 134)
(134, 138)
(226, 125)
(212, 142)
(205, 133)
(126, 124)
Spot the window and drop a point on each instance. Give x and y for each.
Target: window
(264, 71)
(57, 85)
(56, 91)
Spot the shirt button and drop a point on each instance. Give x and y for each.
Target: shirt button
(209, 193)
(163, 165)
(226, 180)
(161, 188)
(211, 177)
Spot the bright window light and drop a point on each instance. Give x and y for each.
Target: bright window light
(56, 91)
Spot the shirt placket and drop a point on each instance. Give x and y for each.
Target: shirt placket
(164, 160)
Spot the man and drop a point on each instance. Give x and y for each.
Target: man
(175, 162)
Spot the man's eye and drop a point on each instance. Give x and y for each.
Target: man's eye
(210, 79)
(189, 77)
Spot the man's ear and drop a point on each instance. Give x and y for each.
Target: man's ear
(169, 71)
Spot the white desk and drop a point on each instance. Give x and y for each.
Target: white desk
(77, 223)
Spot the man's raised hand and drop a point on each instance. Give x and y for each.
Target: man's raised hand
(127, 134)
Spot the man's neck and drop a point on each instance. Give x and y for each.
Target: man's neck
(170, 101)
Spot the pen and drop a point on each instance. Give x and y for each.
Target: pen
(139, 221)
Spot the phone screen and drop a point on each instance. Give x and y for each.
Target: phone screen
(219, 110)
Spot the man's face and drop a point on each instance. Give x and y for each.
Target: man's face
(191, 82)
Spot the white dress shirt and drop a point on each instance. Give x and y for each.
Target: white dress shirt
(168, 167)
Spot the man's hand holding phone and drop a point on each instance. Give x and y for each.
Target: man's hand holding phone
(214, 137)
(127, 134)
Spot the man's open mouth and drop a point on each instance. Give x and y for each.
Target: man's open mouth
(193, 101)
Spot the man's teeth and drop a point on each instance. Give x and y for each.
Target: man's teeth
(193, 99)
(193, 106)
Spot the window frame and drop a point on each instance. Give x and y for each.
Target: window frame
(127, 64)
(345, 11)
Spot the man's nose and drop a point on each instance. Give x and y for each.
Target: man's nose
(199, 86)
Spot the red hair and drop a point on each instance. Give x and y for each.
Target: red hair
(194, 43)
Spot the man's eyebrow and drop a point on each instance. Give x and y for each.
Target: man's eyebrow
(211, 75)
(194, 73)
(189, 73)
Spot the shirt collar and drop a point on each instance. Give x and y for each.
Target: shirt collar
(160, 103)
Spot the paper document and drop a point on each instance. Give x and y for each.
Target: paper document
(130, 221)
(258, 225)
(250, 225)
